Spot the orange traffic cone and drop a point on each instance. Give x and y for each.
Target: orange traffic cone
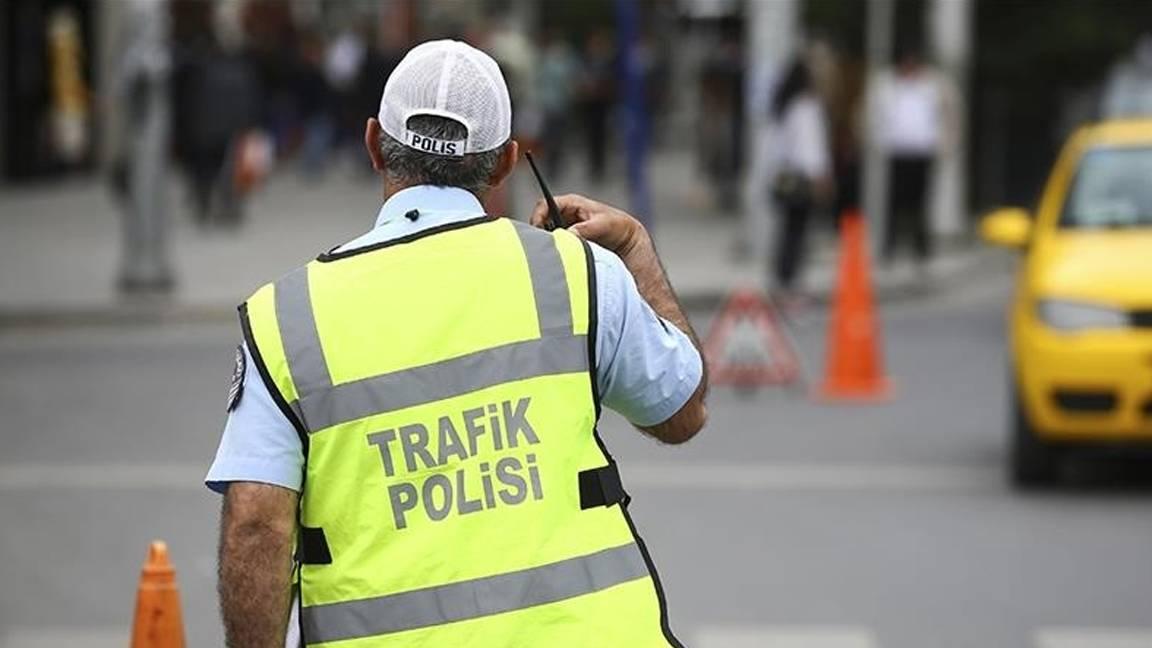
(158, 621)
(854, 368)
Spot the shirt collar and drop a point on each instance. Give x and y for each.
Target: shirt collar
(440, 204)
(437, 206)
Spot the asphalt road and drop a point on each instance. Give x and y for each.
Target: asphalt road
(788, 523)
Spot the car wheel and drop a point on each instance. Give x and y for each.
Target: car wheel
(1033, 462)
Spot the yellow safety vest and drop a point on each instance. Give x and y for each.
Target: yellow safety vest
(456, 492)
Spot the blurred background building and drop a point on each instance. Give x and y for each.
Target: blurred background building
(1021, 92)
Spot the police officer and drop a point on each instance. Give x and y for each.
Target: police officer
(411, 455)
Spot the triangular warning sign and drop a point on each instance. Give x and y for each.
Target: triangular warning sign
(747, 346)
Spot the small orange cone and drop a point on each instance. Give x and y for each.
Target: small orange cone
(854, 368)
(158, 621)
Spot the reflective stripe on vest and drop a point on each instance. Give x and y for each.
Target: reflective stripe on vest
(323, 405)
(474, 598)
(448, 395)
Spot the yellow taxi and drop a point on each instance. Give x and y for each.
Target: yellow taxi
(1081, 316)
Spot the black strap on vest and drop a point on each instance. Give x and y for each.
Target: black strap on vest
(598, 487)
(601, 487)
(313, 548)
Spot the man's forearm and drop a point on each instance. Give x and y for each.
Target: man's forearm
(652, 282)
(619, 232)
(640, 258)
(254, 582)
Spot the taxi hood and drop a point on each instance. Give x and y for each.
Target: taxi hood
(1108, 266)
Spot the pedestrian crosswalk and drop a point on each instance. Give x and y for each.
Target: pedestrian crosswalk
(856, 637)
(1094, 638)
(100, 637)
(785, 637)
(705, 637)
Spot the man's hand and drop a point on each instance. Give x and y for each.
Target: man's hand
(602, 224)
(619, 232)
(257, 525)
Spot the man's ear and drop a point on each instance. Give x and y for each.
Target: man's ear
(507, 163)
(372, 134)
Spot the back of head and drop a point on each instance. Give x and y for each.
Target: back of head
(796, 81)
(446, 117)
(909, 57)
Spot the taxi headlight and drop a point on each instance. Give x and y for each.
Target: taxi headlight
(1077, 316)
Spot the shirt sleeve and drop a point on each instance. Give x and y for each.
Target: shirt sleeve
(259, 443)
(646, 368)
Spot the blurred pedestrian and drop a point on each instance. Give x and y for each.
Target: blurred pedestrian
(216, 104)
(597, 98)
(802, 177)
(656, 67)
(556, 76)
(516, 54)
(721, 125)
(71, 115)
(1128, 90)
(411, 448)
(910, 119)
(377, 62)
(343, 59)
(844, 117)
(272, 49)
(316, 103)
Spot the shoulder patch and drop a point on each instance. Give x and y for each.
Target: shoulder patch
(236, 389)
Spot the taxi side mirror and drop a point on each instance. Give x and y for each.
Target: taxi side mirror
(1009, 227)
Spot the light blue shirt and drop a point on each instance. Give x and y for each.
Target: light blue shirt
(646, 369)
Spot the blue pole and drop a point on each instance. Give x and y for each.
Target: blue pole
(635, 111)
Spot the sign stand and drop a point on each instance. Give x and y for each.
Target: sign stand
(748, 344)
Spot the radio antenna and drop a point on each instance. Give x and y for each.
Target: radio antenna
(554, 221)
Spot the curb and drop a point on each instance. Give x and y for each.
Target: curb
(114, 315)
(980, 264)
(161, 312)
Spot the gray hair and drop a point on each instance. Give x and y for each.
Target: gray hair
(405, 166)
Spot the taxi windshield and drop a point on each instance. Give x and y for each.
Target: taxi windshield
(1112, 189)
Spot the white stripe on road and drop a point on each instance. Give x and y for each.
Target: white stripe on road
(102, 637)
(809, 477)
(1094, 638)
(706, 637)
(785, 637)
(150, 476)
(853, 637)
(747, 476)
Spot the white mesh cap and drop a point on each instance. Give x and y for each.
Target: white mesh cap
(450, 79)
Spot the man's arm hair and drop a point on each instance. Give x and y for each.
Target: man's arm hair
(619, 232)
(257, 525)
(652, 282)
